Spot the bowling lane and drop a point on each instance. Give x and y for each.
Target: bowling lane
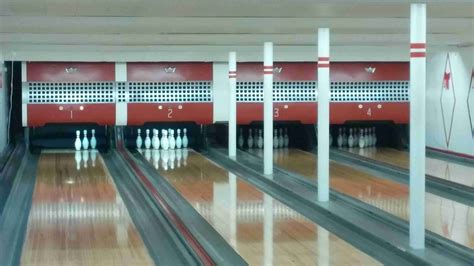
(78, 218)
(443, 216)
(454, 172)
(261, 229)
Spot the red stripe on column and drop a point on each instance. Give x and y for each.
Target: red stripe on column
(323, 65)
(267, 70)
(232, 74)
(323, 59)
(417, 54)
(418, 45)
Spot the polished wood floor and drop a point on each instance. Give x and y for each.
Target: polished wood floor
(261, 229)
(439, 168)
(443, 216)
(78, 217)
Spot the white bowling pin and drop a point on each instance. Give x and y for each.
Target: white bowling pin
(93, 140)
(78, 158)
(147, 139)
(171, 140)
(286, 138)
(350, 139)
(164, 140)
(241, 139)
(78, 143)
(366, 137)
(85, 141)
(255, 137)
(260, 139)
(85, 157)
(93, 157)
(250, 139)
(275, 139)
(155, 141)
(185, 138)
(361, 139)
(339, 138)
(281, 139)
(139, 141)
(179, 141)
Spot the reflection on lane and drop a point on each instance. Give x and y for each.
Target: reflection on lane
(261, 229)
(443, 216)
(454, 172)
(77, 216)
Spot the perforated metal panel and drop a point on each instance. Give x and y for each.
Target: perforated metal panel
(305, 91)
(370, 91)
(68, 92)
(155, 92)
(283, 91)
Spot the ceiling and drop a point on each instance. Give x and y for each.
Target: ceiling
(133, 25)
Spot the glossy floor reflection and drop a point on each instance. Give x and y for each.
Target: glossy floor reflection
(261, 229)
(78, 217)
(454, 172)
(443, 216)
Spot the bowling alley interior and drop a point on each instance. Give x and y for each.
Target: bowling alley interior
(283, 132)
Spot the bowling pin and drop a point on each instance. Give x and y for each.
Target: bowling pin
(179, 141)
(85, 157)
(85, 141)
(350, 139)
(164, 140)
(255, 137)
(281, 139)
(93, 157)
(171, 140)
(339, 138)
(185, 138)
(260, 139)
(361, 139)
(275, 139)
(147, 139)
(139, 141)
(78, 143)
(93, 140)
(241, 139)
(250, 139)
(78, 158)
(155, 141)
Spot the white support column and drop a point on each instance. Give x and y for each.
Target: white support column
(232, 105)
(24, 94)
(121, 109)
(268, 108)
(323, 114)
(417, 124)
(268, 230)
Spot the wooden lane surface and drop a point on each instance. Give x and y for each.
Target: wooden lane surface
(443, 216)
(454, 172)
(78, 217)
(262, 230)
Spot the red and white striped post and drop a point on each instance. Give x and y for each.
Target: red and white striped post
(232, 105)
(417, 124)
(323, 114)
(268, 108)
